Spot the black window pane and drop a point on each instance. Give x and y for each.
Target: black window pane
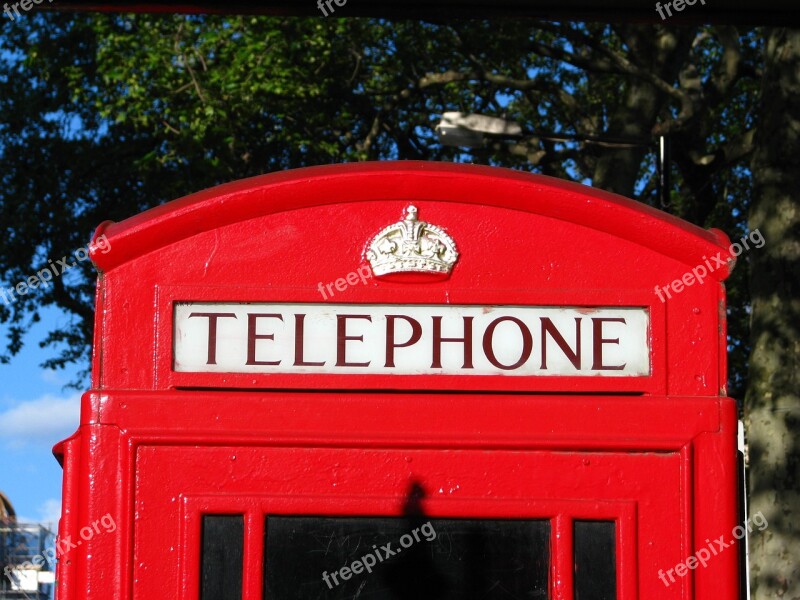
(223, 547)
(447, 559)
(595, 547)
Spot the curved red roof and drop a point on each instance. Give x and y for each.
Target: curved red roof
(398, 180)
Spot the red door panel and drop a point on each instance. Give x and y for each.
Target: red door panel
(175, 488)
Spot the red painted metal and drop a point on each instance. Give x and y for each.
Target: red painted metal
(158, 448)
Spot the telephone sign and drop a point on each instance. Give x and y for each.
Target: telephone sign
(458, 340)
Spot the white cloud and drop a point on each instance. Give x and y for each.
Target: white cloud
(52, 377)
(50, 512)
(45, 419)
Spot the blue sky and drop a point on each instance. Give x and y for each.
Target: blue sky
(35, 413)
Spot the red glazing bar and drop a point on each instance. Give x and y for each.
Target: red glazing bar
(562, 562)
(253, 584)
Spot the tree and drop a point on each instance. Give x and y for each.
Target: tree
(772, 403)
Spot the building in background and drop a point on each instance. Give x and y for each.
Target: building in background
(27, 557)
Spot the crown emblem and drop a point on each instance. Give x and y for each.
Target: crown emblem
(412, 246)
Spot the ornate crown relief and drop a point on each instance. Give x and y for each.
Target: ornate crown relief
(412, 246)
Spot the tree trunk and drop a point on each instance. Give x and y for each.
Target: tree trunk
(772, 402)
(663, 52)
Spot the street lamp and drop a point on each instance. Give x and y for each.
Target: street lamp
(470, 130)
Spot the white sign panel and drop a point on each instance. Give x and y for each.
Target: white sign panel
(410, 339)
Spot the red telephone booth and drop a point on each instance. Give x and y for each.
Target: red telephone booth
(404, 380)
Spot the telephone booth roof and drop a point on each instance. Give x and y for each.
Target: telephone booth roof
(403, 180)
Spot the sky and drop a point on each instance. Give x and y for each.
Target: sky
(35, 413)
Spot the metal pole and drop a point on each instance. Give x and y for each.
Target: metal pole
(663, 172)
